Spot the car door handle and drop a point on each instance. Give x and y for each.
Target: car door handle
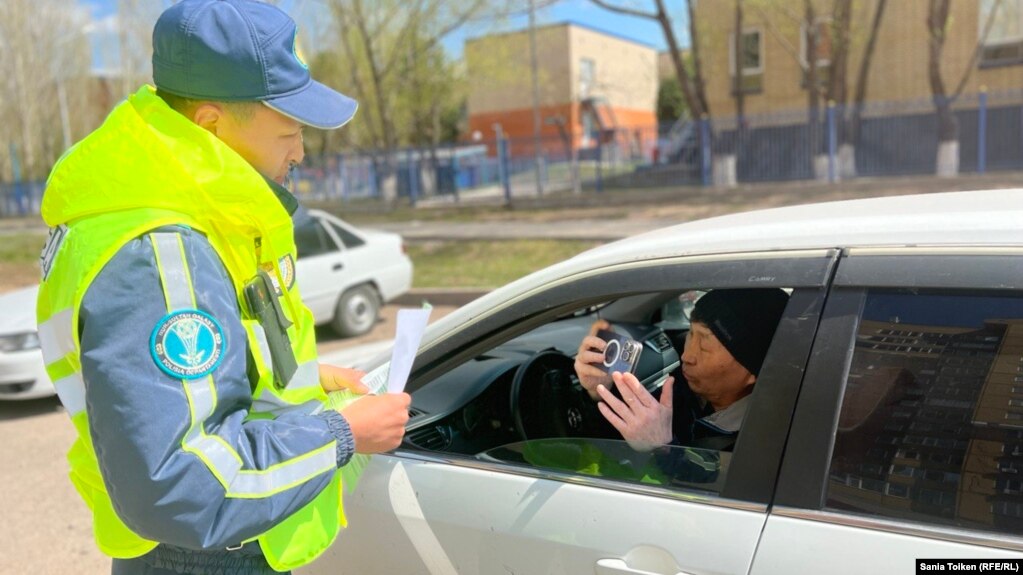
(337, 267)
(620, 567)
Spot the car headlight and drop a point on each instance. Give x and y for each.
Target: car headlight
(19, 341)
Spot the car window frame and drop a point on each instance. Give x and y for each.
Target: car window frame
(754, 464)
(328, 236)
(330, 224)
(803, 479)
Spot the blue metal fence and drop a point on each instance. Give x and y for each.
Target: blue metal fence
(894, 139)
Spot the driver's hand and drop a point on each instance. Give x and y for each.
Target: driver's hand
(591, 351)
(643, 421)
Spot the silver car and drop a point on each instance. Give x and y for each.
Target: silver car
(886, 425)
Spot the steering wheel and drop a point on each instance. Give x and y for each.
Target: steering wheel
(547, 400)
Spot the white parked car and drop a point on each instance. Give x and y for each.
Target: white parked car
(22, 373)
(344, 273)
(886, 424)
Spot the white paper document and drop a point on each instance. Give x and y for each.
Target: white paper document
(391, 376)
(409, 332)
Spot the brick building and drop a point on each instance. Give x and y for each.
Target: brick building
(593, 85)
(773, 78)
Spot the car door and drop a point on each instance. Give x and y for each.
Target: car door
(907, 442)
(424, 511)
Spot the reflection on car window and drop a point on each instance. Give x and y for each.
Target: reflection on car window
(931, 427)
(676, 311)
(311, 239)
(700, 469)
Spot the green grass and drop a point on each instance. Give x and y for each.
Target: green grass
(485, 263)
(437, 264)
(21, 247)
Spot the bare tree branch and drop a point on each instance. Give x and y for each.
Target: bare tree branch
(977, 50)
(459, 21)
(694, 36)
(623, 10)
(785, 44)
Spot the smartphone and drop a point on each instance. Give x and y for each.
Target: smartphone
(621, 353)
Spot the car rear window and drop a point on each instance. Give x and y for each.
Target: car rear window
(312, 240)
(931, 425)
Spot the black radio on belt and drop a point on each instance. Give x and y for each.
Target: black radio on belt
(261, 299)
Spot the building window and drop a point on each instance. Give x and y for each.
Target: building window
(1003, 45)
(751, 61)
(823, 53)
(587, 76)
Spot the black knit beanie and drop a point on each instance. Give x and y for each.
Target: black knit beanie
(743, 320)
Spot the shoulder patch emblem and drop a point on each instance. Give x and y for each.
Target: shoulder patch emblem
(287, 270)
(188, 344)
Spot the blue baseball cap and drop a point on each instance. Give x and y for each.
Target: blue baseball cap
(241, 51)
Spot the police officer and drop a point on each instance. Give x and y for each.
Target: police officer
(204, 441)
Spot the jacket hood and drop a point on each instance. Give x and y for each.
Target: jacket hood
(146, 155)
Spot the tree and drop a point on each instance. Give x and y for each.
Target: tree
(389, 48)
(135, 19)
(809, 30)
(851, 134)
(948, 126)
(43, 67)
(739, 90)
(836, 86)
(671, 103)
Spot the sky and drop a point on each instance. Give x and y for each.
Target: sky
(582, 12)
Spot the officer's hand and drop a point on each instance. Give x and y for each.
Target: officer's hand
(591, 351)
(378, 421)
(334, 378)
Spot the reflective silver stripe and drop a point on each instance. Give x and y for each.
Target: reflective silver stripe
(228, 466)
(264, 346)
(219, 455)
(177, 284)
(56, 336)
(272, 403)
(250, 483)
(215, 451)
(307, 375)
(71, 390)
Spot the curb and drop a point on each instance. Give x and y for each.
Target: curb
(439, 296)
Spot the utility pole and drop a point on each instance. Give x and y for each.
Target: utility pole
(536, 97)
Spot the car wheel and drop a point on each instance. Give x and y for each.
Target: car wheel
(357, 311)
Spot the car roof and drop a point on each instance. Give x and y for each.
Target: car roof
(991, 218)
(980, 218)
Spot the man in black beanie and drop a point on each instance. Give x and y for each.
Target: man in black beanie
(724, 350)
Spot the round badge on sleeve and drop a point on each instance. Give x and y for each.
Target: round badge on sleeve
(287, 270)
(188, 344)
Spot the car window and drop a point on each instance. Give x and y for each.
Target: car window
(349, 239)
(522, 403)
(311, 239)
(676, 311)
(692, 468)
(931, 425)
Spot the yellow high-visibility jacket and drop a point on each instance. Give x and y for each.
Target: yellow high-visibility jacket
(184, 438)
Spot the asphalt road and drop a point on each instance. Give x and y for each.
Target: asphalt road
(46, 527)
